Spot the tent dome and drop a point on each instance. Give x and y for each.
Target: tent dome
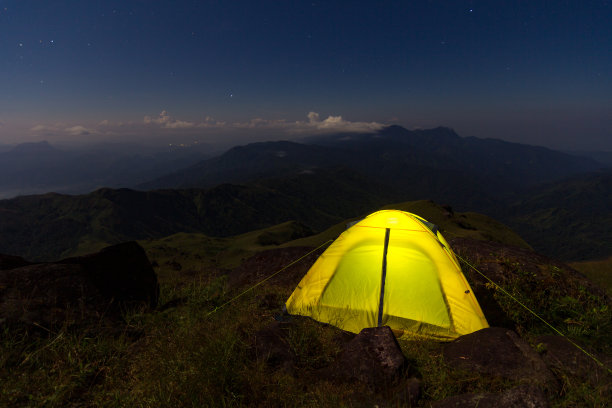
(391, 268)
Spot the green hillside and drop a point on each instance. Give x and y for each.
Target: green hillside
(199, 347)
(52, 226)
(599, 271)
(190, 253)
(552, 219)
(571, 219)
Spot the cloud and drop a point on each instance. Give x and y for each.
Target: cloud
(313, 117)
(42, 128)
(78, 130)
(335, 124)
(166, 121)
(314, 124)
(165, 127)
(332, 124)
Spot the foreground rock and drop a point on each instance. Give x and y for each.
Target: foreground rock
(372, 358)
(524, 396)
(502, 353)
(82, 290)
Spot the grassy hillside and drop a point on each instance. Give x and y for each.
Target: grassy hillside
(571, 219)
(599, 272)
(190, 352)
(452, 224)
(51, 226)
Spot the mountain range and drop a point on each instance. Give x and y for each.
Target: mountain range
(34, 168)
(386, 155)
(321, 180)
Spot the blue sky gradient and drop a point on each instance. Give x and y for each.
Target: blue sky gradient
(537, 72)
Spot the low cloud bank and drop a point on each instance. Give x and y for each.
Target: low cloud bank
(314, 123)
(209, 129)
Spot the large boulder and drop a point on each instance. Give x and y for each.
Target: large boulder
(373, 358)
(501, 353)
(82, 290)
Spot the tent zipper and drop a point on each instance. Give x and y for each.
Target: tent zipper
(384, 275)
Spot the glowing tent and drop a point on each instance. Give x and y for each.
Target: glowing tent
(391, 268)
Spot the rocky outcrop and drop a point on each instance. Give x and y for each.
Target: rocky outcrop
(501, 353)
(82, 290)
(373, 358)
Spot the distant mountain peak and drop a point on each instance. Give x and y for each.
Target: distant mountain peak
(34, 147)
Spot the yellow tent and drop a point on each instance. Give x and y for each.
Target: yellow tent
(391, 268)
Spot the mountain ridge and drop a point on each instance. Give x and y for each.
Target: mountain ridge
(384, 154)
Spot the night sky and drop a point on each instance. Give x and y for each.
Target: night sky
(537, 72)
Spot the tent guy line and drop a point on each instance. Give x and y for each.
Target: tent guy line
(268, 278)
(559, 332)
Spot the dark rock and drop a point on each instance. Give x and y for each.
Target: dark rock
(502, 353)
(524, 396)
(82, 290)
(11, 262)
(448, 210)
(271, 346)
(373, 358)
(121, 272)
(564, 357)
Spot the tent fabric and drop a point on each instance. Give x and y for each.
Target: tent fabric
(391, 268)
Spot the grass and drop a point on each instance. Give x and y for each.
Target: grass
(598, 271)
(182, 355)
(570, 308)
(469, 225)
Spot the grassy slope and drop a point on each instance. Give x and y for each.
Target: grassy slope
(599, 272)
(469, 224)
(184, 355)
(52, 226)
(570, 219)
